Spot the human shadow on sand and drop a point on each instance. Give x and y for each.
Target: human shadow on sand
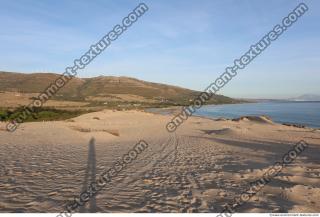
(90, 176)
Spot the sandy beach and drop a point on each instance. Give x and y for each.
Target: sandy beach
(199, 168)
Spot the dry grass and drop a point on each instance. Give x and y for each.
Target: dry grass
(88, 130)
(15, 99)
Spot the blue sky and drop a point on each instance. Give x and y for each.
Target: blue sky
(182, 42)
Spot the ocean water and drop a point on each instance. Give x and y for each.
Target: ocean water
(305, 113)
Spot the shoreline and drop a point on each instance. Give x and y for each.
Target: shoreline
(294, 123)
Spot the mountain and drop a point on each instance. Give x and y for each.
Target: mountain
(307, 97)
(103, 89)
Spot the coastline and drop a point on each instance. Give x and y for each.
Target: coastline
(279, 112)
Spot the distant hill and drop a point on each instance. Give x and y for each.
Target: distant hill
(104, 89)
(307, 97)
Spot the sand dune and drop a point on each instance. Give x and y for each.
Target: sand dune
(199, 168)
(259, 119)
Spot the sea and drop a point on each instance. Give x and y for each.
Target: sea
(301, 113)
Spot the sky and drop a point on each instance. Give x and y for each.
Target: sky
(187, 43)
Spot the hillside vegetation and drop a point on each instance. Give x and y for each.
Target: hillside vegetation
(106, 91)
